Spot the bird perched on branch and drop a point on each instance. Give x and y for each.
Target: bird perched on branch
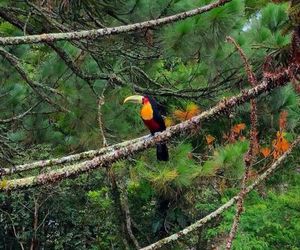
(151, 116)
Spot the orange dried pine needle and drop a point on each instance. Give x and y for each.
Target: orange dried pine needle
(280, 145)
(209, 139)
(180, 115)
(191, 110)
(238, 128)
(265, 152)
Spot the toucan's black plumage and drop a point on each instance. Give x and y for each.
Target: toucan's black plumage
(161, 148)
(162, 153)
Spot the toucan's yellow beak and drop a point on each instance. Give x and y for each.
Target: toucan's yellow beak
(134, 99)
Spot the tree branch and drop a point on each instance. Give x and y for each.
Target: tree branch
(14, 61)
(253, 148)
(113, 78)
(96, 33)
(100, 102)
(67, 159)
(198, 224)
(14, 229)
(251, 76)
(197, 93)
(279, 79)
(18, 117)
(6, 15)
(126, 211)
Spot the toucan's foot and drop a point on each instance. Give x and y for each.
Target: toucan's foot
(148, 137)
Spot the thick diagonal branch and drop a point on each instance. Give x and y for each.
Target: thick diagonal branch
(67, 159)
(106, 160)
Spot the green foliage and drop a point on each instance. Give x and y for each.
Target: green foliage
(253, 6)
(229, 159)
(180, 73)
(274, 17)
(169, 179)
(163, 197)
(203, 33)
(284, 99)
(269, 222)
(7, 28)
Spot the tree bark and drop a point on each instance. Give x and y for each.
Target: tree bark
(277, 80)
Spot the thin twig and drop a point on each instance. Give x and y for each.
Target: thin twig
(101, 102)
(20, 116)
(251, 76)
(125, 207)
(14, 229)
(26, 22)
(35, 223)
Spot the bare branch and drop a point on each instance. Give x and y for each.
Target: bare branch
(118, 208)
(115, 80)
(18, 117)
(59, 51)
(96, 33)
(101, 102)
(253, 148)
(125, 207)
(35, 223)
(27, 20)
(72, 65)
(251, 76)
(14, 61)
(14, 229)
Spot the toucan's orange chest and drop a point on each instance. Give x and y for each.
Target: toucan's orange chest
(148, 118)
(147, 111)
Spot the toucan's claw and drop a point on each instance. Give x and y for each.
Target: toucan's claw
(148, 137)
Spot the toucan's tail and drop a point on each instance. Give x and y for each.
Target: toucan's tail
(162, 153)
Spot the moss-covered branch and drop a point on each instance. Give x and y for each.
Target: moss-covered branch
(96, 33)
(67, 159)
(277, 80)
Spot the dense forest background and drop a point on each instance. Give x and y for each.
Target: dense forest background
(65, 97)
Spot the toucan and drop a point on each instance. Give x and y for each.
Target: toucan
(151, 116)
